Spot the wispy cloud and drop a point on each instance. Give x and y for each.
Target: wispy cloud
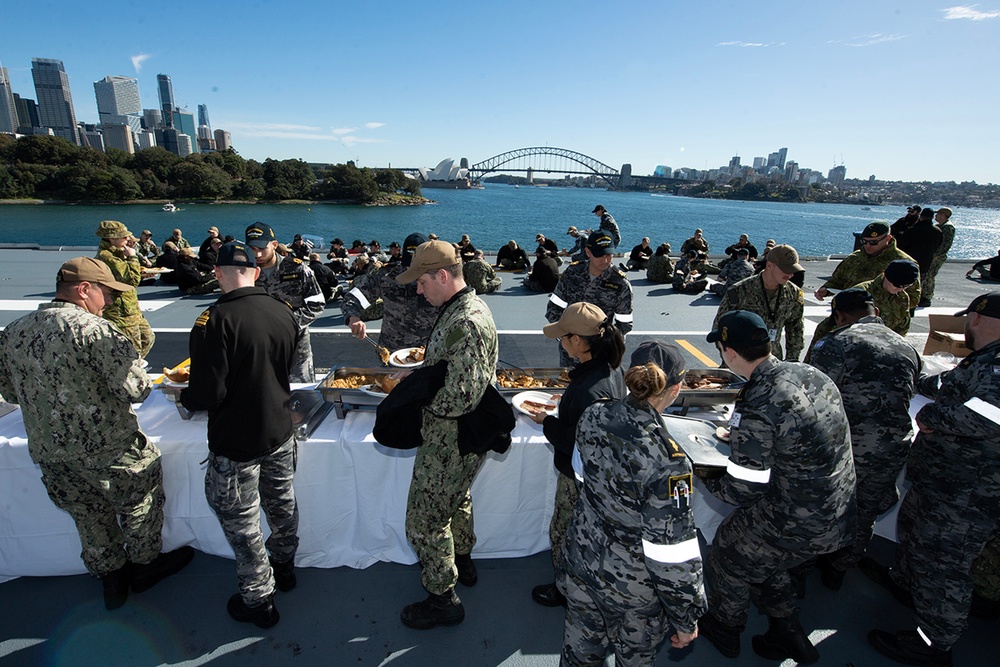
(759, 45)
(351, 140)
(969, 13)
(282, 131)
(374, 126)
(138, 60)
(868, 40)
(341, 131)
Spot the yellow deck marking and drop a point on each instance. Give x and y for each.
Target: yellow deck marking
(697, 353)
(186, 362)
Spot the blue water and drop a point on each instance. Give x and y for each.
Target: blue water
(500, 213)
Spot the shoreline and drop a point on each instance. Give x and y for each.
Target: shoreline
(387, 201)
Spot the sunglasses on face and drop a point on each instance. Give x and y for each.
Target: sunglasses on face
(875, 241)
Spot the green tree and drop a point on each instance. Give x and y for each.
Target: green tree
(157, 160)
(195, 178)
(287, 179)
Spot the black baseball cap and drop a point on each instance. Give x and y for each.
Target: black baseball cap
(235, 253)
(902, 272)
(875, 229)
(600, 244)
(410, 244)
(740, 327)
(987, 305)
(259, 234)
(850, 298)
(664, 355)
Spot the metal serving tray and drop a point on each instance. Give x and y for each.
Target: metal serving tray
(726, 394)
(540, 373)
(697, 438)
(351, 399)
(308, 409)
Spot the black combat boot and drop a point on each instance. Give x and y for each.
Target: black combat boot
(909, 648)
(785, 638)
(264, 615)
(831, 577)
(882, 575)
(284, 575)
(724, 637)
(116, 585)
(146, 576)
(444, 609)
(467, 574)
(548, 595)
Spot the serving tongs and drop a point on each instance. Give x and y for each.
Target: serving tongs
(383, 352)
(513, 367)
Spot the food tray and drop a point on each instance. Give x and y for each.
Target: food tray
(351, 399)
(697, 438)
(308, 410)
(542, 373)
(692, 398)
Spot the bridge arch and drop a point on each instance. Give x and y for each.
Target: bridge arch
(518, 160)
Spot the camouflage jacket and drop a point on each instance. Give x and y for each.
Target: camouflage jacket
(876, 371)
(293, 282)
(785, 312)
(859, 266)
(75, 377)
(947, 238)
(609, 225)
(735, 271)
(632, 532)
(127, 270)
(181, 244)
(894, 309)
(660, 269)
(610, 291)
(407, 316)
(480, 276)
(791, 467)
(693, 243)
(148, 249)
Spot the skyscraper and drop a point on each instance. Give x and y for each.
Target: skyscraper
(223, 140)
(55, 102)
(166, 91)
(8, 110)
(184, 123)
(27, 115)
(782, 156)
(118, 101)
(203, 115)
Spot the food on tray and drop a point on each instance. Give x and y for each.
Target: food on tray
(414, 356)
(722, 433)
(518, 380)
(536, 407)
(354, 381)
(387, 383)
(705, 382)
(383, 354)
(182, 374)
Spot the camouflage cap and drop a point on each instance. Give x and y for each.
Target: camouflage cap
(987, 305)
(785, 257)
(664, 355)
(875, 229)
(429, 256)
(581, 318)
(88, 269)
(740, 327)
(112, 229)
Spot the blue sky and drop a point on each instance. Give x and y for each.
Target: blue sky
(903, 90)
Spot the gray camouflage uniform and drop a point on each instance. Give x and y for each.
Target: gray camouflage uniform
(732, 273)
(859, 266)
(632, 566)
(953, 506)
(791, 476)
(480, 276)
(439, 506)
(784, 311)
(293, 282)
(660, 269)
(76, 377)
(609, 225)
(611, 292)
(876, 371)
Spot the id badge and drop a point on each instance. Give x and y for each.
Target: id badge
(772, 334)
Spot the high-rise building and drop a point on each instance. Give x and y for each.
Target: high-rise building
(27, 114)
(759, 163)
(184, 123)
(118, 101)
(734, 165)
(145, 139)
(55, 102)
(782, 156)
(223, 140)
(8, 110)
(152, 119)
(206, 142)
(90, 136)
(792, 172)
(837, 175)
(166, 91)
(118, 136)
(203, 115)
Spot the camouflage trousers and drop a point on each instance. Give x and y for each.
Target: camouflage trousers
(927, 280)
(206, 287)
(986, 571)
(118, 509)
(302, 366)
(235, 491)
(439, 507)
(137, 329)
(567, 493)
(938, 541)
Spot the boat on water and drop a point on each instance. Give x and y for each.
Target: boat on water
(170, 208)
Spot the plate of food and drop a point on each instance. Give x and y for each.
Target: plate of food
(722, 433)
(533, 403)
(372, 390)
(178, 375)
(407, 357)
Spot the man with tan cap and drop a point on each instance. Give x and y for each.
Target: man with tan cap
(579, 250)
(206, 245)
(75, 377)
(770, 295)
(439, 506)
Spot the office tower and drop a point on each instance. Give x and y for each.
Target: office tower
(782, 156)
(55, 102)
(118, 135)
(223, 140)
(184, 145)
(118, 101)
(184, 123)
(203, 115)
(8, 110)
(734, 165)
(759, 163)
(792, 172)
(27, 114)
(837, 175)
(90, 136)
(152, 119)
(166, 91)
(145, 139)
(772, 160)
(205, 140)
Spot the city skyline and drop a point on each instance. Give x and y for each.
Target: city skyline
(894, 91)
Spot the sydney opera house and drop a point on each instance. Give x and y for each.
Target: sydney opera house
(448, 174)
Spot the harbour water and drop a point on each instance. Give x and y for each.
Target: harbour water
(498, 213)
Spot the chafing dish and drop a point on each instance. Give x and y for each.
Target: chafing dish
(351, 399)
(549, 380)
(308, 409)
(722, 394)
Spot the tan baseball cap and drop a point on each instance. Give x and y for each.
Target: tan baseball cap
(581, 318)
(429, 256)
(785, 257)
(88, 269)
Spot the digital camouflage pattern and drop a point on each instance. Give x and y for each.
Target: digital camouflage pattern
(791, 477)
(632, 567)
(684, 280)
(439, 507)
(986, 571)
(236, 491)
(783, 312)
(407, 318)
(940, 255)
(480, 276)
(611, 292)
(660, 269)
(859, 267)
(609, 225)
(952, 509)
(567, 494)
(124, 311)
(876, 371)
(893, 310)
(695, 243)
(733, 272)
(293, 282)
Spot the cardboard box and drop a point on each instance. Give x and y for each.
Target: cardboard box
(947, 335)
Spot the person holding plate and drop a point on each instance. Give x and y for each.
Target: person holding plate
(590, 337)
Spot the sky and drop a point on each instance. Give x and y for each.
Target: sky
(905, 90)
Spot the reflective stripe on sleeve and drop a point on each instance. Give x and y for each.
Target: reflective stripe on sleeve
(748, 474)
(556, 300)
(672, 553)
(624, 318)
(924, 636)
(987, 410)
(357, 294)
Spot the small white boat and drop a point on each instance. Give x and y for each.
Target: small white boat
(170, 208)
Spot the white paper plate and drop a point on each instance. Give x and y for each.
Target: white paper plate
(722, 433)
(398, 357)
(174, 385)
(373, 390)
(536, 397)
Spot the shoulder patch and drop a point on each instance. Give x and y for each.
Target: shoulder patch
(675, 450)
(611, 285)
(296, 260)
(455, 336)
(203, 318)
(801, 296)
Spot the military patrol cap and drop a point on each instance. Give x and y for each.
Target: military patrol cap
(146, 232)
(112, 229)
(664, 355)
(987, 305)
(213, 228)
(394, 244)
(187, 252)
(743, 252)
(785, 257)
(850, 298)
(410, 244)
(902, 272)
(926, 213)
(88, 269)
(740, 327)
(600, 244)
(599, 208)
(429, 256)
(581, 318)
(873, 230)
(235, 253)
(337, 241)
(259, 235)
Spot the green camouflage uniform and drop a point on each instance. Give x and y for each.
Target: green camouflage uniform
(632, 566)
(76, 377)
(293, 282)
(876, 371)
(439, 506)
(124, 312)
(791, 477)
(783, 311)
(941, 254)
(480, 276)
(859, 266)
(660, 269)
(611, 292)
(148, 249)
(952, 509)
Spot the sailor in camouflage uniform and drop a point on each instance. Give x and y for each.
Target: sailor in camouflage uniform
(660, 268)
(288, 279)
(408, 317)
(439, 506)
(791, 476)
(953, 506)
(734, 271)
(770, 295)
(595, 281)
(633, 567)
(75, 377)
(877, 250)
(117, 251)
(608, 225)
(876, 371)
(480, 276)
